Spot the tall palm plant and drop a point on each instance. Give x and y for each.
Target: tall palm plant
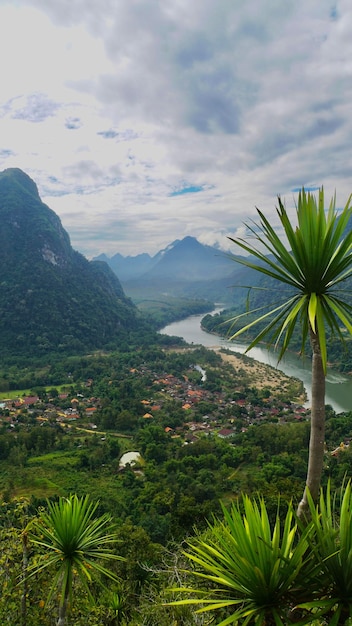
(74, 543)
(314, 264)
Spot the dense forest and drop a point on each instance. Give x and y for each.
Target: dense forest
(206, 430)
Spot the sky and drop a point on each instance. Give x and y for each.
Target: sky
(146, 121)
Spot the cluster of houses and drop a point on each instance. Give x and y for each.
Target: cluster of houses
(221, 421)
(224, 417)
(12, 411)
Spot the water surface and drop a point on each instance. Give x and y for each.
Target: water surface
(338, 387)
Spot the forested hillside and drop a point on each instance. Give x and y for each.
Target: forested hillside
(51, 298)
(204, 434)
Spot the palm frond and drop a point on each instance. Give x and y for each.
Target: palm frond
(317, 260)
(73, 539)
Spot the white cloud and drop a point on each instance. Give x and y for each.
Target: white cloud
(112, 106)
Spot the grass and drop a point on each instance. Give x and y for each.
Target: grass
(54, 459)
(19, 393)
(40, 487)
(59, 474)
(32, 480)
(15, 393)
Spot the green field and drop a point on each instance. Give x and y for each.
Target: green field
(19, 393)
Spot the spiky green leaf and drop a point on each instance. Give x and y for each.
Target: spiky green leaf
(316, 259)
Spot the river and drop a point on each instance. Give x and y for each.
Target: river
(338, 387)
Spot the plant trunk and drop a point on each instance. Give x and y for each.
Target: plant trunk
(24, 574)
(317, 429)
(62, 611)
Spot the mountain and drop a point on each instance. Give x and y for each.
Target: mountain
(190, 261)
(127, 268)
(133, 267)
(185, 268)
(51, 297)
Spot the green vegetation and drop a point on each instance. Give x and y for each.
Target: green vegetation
(315, 265)
(253, 570)
(90, 380)
(331, 545)
(256, 571)
(73, 542)
(52, 300)
(166, 309)
(185, 467)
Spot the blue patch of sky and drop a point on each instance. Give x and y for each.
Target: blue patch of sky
(108, 134)
(6, 153)
(184, 190)
(297, 189)
(333, 12)
(55, 193)
(73, 123)
(80, 190)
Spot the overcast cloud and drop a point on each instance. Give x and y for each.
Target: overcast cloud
(143, 121)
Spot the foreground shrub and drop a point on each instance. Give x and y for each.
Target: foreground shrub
(331, 544)
(251, 572)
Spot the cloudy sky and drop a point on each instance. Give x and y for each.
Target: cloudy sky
(143, 121)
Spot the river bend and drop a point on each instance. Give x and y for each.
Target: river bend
(338, 386)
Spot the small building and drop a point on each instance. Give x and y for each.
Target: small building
(224, 433)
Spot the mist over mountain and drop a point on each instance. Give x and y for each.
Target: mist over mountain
(189, 269)
(130, 267)
(51, 297)
(186, 268)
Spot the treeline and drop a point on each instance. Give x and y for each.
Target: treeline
(29, 370)
(164, 310)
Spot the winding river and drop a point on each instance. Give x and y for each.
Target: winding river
(338, 387)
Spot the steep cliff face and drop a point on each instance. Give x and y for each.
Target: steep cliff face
(29, 229)
(51, 297)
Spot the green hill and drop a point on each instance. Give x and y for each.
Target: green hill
(51, 297)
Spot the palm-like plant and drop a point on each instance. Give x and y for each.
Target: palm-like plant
(331, 544)
(258, 573)
(114, 603)
(74, 543)
(316, 261)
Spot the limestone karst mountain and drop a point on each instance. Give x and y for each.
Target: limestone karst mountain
(52, 297)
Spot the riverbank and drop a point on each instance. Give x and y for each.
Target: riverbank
(264, 376)
(338, 387)
(257, 374)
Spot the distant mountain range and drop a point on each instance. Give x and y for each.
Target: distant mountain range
(185, 259)
(51, 297)
(185, 268)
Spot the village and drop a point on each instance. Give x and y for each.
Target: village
(186, 406)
